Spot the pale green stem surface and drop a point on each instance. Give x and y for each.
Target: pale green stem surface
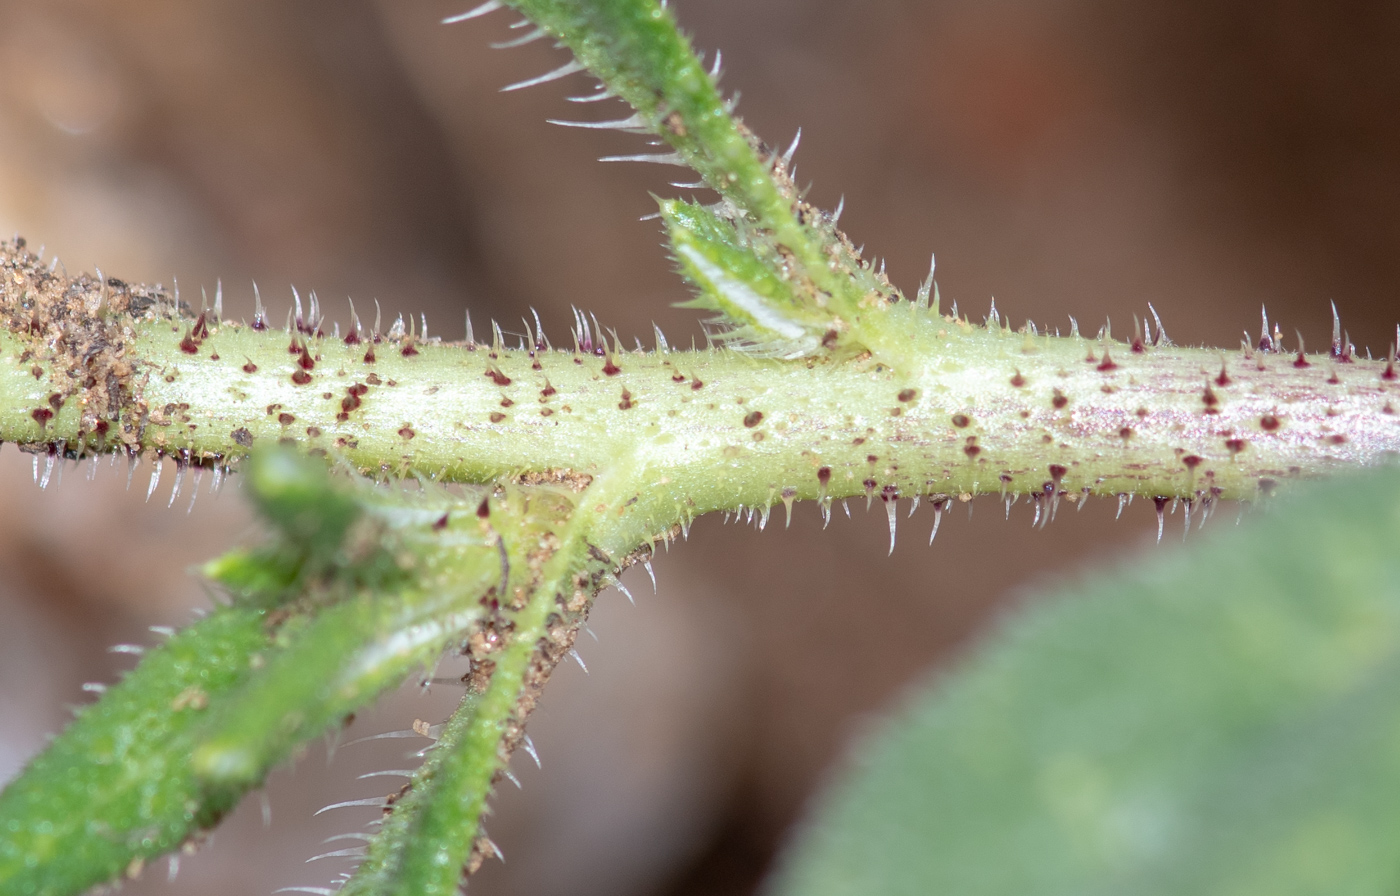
(993, 411)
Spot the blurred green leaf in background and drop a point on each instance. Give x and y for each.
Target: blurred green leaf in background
(1222, 718)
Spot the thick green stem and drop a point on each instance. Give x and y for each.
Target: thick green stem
(992, 411)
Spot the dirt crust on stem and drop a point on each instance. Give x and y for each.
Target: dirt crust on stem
(77, 331)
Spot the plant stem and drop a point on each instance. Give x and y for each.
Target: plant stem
(990, 411)
(434, 832)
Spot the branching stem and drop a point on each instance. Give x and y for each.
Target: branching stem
(840, 388)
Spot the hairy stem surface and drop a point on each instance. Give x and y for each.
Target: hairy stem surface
(989, 411)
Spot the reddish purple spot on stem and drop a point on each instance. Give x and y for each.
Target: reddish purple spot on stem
(753, 419)
(301, 377)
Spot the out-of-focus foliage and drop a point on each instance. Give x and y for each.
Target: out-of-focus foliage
(1224, 719)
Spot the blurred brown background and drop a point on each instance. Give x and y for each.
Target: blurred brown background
(1072, 157)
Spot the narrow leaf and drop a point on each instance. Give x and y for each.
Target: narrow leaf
(116, 787)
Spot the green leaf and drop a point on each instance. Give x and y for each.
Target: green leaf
(636, 50)
(312, 514)
(1220, 719)
(385, 581)
(116, 788)
(734, 280)
(333, 665)
(360, 587)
